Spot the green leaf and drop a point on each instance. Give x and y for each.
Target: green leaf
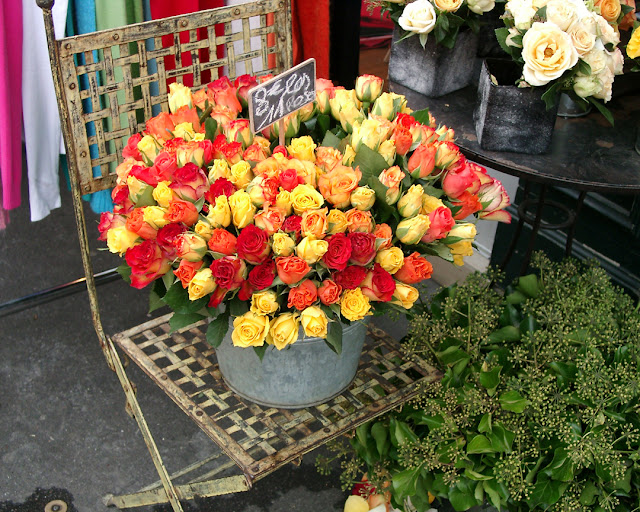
(515, 297)
(210, 128)
(528, 324)
(125, 272)
(561, 467)
(529, 285)
(404, 482)
(589, 494)
(550, 96)
(513, 401)
(474, 475)
(217, 329)
(177, 298)
(436, 249)
(370, 162)
(565, 373)
(485, 423)
(422, 418)
(462, 496)
(490, 379)
(501, 36)
(155, 297)
(507, 333)
(260, 351)
(334, 337)
(584, 67)
(497, 492)
(380, 433)
(238, 307)
(168, 279)
(403, 434)
(501, 438)
(179, 320)
(422, 116)
(479, 444)
(545, 492)
(384, 211)
(602, 109)
(330, 140)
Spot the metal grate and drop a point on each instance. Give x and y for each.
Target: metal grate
(261, 439)
(113, 79)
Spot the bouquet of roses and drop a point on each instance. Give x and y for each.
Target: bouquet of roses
(566, 46)
(327, 229)
(444, 18)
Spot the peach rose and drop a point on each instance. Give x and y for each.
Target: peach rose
(547, 52)
(414, 269)
(336, 186)
(303, 295)
(329, 292)
(291, 269)
(314, 223)
(359, 221)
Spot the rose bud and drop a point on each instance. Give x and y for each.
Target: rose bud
(368, 87)
(363, 198)
(410, 231)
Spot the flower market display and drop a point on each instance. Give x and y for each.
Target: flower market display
(566, 46)
(325, 230)
(443, 18)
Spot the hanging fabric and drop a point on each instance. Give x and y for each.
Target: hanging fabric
(43, 138)
(10, 107)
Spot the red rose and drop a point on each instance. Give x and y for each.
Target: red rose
(131, 149)
(243, 84)
(338, 253)
(228, 272)
(403, 139)
(136, 223)
(457, 180)
(165, 165)
(289, 179)
(147, 263)
(120, 195)
(261, 276)
(253, 245)
(405, 120)
(218, 143)
(166, 238)
(146, 174)
(190, 182)
(172, 145)
(220, 187)
(232, 152)
(329, 292)
(181, 211)
(291, 269)
(223, 242)
(414, 269)
(351, 277)
(280, 149)
(293, 225)
(207, 148)
(378, 285)
(363, 248)
(440, 223)
(186, 270)
(217, 297)
(246, 291)
(109, 220)
(303, 295)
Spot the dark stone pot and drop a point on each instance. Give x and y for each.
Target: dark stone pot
(434, 70)
(508, 118)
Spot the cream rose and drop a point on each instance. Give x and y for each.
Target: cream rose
(596, 58)
(585, 86)
(606, 77)
(481, 6)
(547, 52)
(562, 13)
(522, 11)
(418, 17)
(615, 61)
(606, 32)
(448, 5)
(583, 39)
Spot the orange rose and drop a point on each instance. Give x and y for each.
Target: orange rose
(314, 223)
(181, 211)
(186, 271)
(291, 269)
(384, 232)
(188, 115)
(414, 269)
(336, 186)
(222, 241)
(254, 153)
(270, 219)
(359, 221)
(303, 295)
(609, 9)
(391, 177)
(422, 161)
(329, 292)
(327, 158)
(199, 98)
(268, 167)
(136, 223)
(161, 126)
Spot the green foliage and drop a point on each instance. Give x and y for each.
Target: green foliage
(538, 407)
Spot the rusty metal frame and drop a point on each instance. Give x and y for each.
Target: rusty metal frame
(104, 80)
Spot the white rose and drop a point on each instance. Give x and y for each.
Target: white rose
(547, 52)
(513, 32)
(418, 17)
(562, 13)
(615, 61)
(481, 6)
(585, 86)
(606, 77)
(539, 4)
(583, 39)
(522, 11)
(596, 58)
(606, 31)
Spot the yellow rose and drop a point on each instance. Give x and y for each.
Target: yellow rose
(460, 249)
(163, 194)
(140, 193)
(547, 52)
(283, 330)
(368, 87)
(430, 203)
(411, 201)
(350, 116)
(240, 174)
(282, 244)
(314, 322)
(184, 131)
(311, 250)
(363, 198)
(448, 5)
(242, 209)
(410, 231)
(390, 259)
(201, 284)
(263, 143)
(389, 103)
(203, 228)
(305, 197)
(387, 151)
(302, 148)
(198, 137)
(220, 213)
(307, 112)
(250, 330)
(337, 222)
(193, 247)
(465, 230)
(120, 239)
(264, 303)
(349, 156)
(283, 202)
(219, 169)
(179, 96)
(343, 98)
(633, 47)
(369, 132)
(149, 149)
(354, 305)
(154, 216)
(405, 295)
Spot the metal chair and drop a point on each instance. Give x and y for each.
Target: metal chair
(107, 84)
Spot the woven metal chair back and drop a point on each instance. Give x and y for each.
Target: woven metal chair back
(113, 80)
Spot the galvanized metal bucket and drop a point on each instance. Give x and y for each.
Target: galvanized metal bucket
(306, 373)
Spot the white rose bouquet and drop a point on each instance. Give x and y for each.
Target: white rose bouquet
(443, 18)
(566, 46)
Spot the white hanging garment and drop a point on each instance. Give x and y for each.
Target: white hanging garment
(42, 134)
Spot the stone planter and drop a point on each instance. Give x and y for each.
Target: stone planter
(306, 373)
(434, 70)
(509, 118)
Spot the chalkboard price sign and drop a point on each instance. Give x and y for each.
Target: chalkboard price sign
(289, 91)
